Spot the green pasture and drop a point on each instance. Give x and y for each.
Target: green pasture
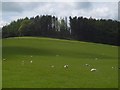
(19, 72)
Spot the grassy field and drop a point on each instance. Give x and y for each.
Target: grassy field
(0, 64)
(18, 72)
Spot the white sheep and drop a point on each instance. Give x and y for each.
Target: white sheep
(23, 62)
(96, 58)
(57, 55)
(113, 67)
(31, 61)
(4, 59)
(87, 65)
(52, 66)
(93, 69)
(65, 66)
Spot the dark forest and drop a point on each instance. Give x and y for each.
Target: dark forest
(72, 28)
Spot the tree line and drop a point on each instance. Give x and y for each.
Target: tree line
(78, 28)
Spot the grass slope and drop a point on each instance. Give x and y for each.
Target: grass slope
(0, 64)
(18, 72)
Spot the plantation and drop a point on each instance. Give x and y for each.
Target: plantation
(48, 58)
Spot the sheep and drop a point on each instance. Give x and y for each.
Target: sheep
(93, 69)
(87, 65)
(31, 61)
(4, 59)
(57, 55)
(65, 66)
(113, 67)
(52, 66)
(23, 62)
(31, 56)
(96, 58)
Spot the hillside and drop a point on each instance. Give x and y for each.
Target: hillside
(78, 28)
(18, 71)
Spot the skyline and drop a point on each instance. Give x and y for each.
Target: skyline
(100, 10)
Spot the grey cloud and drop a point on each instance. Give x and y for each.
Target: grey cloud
(83, 5)
(11, 7)
(14, 10)
(19, 6)
(119, 10)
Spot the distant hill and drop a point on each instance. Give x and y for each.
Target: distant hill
(79, 28)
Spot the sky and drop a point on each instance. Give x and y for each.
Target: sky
(13, 10)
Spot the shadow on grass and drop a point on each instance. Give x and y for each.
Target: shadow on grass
(11, 51)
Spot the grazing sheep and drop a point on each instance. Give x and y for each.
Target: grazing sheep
(65, 66)
(57, 55)
(96, 58)
(113, 67)
(31, 61)
(93, 69)
(4, 59)
(23, 62)
(52, 66)
(87, 65)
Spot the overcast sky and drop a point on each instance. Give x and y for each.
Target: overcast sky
(12, 10)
